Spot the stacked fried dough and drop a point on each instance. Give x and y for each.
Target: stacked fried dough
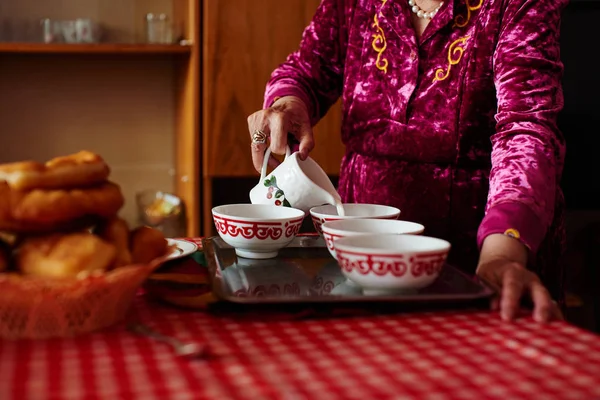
(59, 220)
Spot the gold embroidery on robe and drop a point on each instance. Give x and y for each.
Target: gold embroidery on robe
(455, 53)
(457, 48)
(461, 20)
(379, 43)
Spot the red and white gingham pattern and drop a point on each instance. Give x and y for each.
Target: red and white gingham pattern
(421, 356)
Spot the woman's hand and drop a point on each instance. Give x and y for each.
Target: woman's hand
(287, 115)
(502, 265)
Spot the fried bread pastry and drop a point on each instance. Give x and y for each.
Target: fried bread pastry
(116, 231)
(56, 208)
(80, 169)
(147, 244)
(64, 256)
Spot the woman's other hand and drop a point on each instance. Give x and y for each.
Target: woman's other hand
(287, 115)
(502, 265)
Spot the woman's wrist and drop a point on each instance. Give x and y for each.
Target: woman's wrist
(499, 246)
(514, 219)
(284, 99)
(280, 94)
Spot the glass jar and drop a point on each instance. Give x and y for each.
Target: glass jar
(158, 29)
(162, 211)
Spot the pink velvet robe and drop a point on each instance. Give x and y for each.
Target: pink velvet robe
(458, 128)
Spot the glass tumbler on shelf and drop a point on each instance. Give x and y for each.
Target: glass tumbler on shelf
(158, 29)
(163, 211)
(51, 31)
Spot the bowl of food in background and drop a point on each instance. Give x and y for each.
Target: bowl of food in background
(333, 230)
(68, 263)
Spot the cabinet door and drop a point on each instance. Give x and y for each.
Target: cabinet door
(244, 40)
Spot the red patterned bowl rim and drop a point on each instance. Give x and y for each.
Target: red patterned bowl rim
(399, 255)
(294, 214)
(332, 235)
(261, 222)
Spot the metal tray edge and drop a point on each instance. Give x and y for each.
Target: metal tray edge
(212, 265)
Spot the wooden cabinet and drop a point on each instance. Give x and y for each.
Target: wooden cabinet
(169, 117)
(136, 104)
(244, 40)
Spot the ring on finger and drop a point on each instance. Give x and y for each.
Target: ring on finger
(259, 137)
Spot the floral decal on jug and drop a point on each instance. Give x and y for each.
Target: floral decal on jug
(280, 199)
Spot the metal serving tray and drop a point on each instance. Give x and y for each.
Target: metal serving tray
(305, 272)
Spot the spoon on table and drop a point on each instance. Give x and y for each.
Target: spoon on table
(187, 350)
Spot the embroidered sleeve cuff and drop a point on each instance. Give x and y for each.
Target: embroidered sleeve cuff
(281, 89)
(515, 220)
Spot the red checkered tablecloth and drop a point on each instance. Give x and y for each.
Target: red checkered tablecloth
(453, 355)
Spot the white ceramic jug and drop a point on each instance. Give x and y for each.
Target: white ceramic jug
(294, 183)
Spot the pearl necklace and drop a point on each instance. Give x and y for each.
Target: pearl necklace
(424, 14)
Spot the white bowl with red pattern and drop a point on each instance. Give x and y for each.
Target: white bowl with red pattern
(334, 230)
(257, 231)
(322, 214)
(388, 262)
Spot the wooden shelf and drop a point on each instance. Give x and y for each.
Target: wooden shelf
(102, 48)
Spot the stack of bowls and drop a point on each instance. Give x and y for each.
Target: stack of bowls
(333, 230)
(376, 251)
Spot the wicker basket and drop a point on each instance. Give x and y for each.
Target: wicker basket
(37, 308)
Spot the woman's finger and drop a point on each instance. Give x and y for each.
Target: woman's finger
(258, 124)
(512, 291)
(543, 309)
(277, 127)
(492, 281)
(307, 141)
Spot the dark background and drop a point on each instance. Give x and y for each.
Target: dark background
(580, 119)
